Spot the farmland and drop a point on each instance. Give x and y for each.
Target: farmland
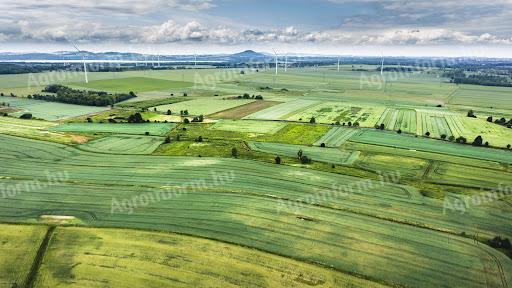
(135, 84)
(206, 204)
(203, 106)
(49, 110)
(123, 144)
(158, 129)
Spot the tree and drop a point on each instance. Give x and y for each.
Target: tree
(135, 118)
(489, 119)
(349, 124)
(305, 159)
(199, 139)
(169, 112)
(451, 138)
(300, 153)
(427, 134)
(312, 120)
(399, 131)
(382, 126)
(278, 160)
(234, 152)
(146, 133)
(322, 145)
(471, 114)
(478, 141)
(508, 146)
(186, 121)
(89, 119)
(178, 137)
(443, 136)
(26, 116)
(167, 140)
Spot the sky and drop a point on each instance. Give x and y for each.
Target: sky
(331, 27)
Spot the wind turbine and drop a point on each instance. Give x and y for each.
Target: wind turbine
(286, 62)
(275, 56)
(382, 66)
(338, 63)
(195, 60)
(83, 60)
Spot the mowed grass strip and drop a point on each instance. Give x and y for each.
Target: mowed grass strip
(249, 126)
(244, 110)
(336, 137)
(124, 144)
(204, 106)
(158, 129)
(370, 231)
(18, 248)
(431, 145)
(134, 84)
(108, 257)
(327, 155)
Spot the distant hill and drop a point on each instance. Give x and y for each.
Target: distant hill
(248, 55)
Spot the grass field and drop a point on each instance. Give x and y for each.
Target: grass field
(483, 96)
(124, 144)
(49, 110)
(19, 245)
(332, 112)
(327, 155)
(134, 84)
(336, 137)
(205, 106)
(430, 145)
(158, 129)
(248, 126)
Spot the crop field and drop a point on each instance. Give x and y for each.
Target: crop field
(470, 176)
(244, 110)
(408, 167)
(135, 84)
(399, 119)
(336, 137)
(282, 111)
(19, 245)
(102, 257)
(483, 96)
(205, 106)
(159, 129)
(124, 144)
(332, 112)
(327, 155)
(249, 126)
(355, 227)
(36, 129)
(49, 110)
(430, 145)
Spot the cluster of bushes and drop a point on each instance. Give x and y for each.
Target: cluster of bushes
(303, 158)
(68, 95)
(182, 112)
(502, 121)
(247, 96)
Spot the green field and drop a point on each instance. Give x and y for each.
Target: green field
(19, 245)
(336, 137)
(327, 155)
(49, 110)
(135, 84)
(367, 227)
(282, 110)
(108, 257)
(124, 144)
(205, 106)
(430, 145)
(158, 129)
(248, 126)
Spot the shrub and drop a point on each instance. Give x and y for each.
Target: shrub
(278, 160)
(26, 116)
(234, 152)
(167, 140)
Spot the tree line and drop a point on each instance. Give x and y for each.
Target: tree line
(68, 95)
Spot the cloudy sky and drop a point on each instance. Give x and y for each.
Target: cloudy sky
(364, 27)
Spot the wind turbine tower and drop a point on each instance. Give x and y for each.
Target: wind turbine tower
(83, 60)
(275, 56)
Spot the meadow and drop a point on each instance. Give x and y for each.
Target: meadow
(134, 84)
(249, 126)
(123, 144)
(205, 106)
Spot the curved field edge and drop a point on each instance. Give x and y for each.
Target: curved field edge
(108, 257)
(241, 210)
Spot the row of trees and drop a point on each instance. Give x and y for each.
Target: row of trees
(459, 77)
(68, 95)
